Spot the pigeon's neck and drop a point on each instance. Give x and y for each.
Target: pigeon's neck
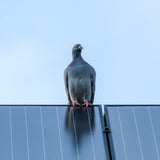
(76, 55)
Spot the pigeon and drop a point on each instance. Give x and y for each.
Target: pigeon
(79, 79)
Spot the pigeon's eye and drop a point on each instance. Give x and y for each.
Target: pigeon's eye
(75, 47)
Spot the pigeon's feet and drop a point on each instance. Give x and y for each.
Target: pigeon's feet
(87, 104)
(75, 104)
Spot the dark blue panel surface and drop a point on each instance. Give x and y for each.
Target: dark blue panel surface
(6, 149)
(18, 133)
(52, 133)
(34, 132)
(135, 132)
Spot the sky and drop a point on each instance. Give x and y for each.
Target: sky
(121, 40)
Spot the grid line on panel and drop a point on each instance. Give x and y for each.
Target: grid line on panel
(59, 131)
(153, 132)
(26, 125)
(137, 131)
(122, 133)
(75, 133)
(10, 119)
(42, 130)
(93, 149)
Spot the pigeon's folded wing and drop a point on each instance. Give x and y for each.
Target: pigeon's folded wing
(66, 84)
(93, 80)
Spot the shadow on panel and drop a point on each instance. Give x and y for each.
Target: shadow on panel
(80, 122)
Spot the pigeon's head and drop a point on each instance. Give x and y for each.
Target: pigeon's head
(77, 49)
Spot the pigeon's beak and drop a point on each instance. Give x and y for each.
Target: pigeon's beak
(80, 47)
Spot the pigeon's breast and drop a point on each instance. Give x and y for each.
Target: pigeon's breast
(79, 72)
(80, 88)
(79, 82)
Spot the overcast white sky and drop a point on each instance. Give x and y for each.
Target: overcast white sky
(121, 40)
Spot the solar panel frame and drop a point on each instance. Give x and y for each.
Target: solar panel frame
(110, 140)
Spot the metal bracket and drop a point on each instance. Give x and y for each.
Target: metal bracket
(106, 130)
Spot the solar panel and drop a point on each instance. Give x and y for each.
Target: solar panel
(135, 132)
(51, 133)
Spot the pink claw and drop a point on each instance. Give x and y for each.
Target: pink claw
(87, 104)
(75, 104)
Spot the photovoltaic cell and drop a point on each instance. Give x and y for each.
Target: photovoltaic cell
(5, 137)
(135, 132)
(18, 136)
(51, 133)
